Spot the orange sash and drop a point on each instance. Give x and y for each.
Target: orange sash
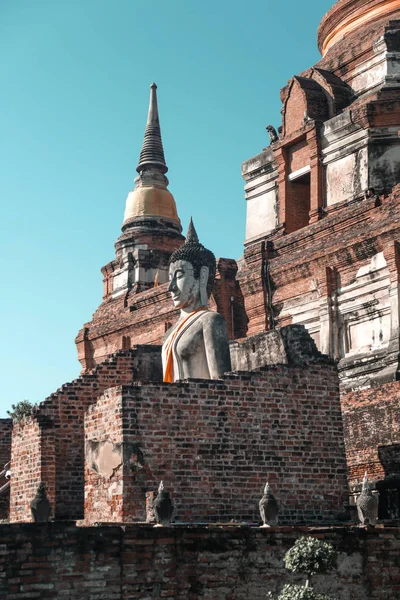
(169, 363)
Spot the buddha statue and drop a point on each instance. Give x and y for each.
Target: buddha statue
(197, 345)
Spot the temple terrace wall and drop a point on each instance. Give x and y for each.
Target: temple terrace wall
(214, 443)
(371, 420)
(49, 446)
(60, 560)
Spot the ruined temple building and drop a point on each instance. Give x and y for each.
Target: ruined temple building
(312, 310)
(322, 226)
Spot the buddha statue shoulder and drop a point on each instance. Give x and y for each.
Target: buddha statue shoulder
(197, 345)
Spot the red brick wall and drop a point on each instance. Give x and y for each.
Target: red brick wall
(215, 443)
(356, 47)
(5, 456)
(294, 109)
(60, 418)
(371, 419)
(298, 156)
(345, 239)
(135, 562)
(105, 494)
(32, 462)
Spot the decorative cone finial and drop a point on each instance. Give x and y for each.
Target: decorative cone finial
(191, 236)
(152, 153)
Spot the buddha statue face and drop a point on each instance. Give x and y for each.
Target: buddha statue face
(191, 273)
(187, 291)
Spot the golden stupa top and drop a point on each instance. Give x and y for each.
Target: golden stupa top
(151, 198)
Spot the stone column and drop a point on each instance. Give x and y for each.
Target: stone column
(316, 175)
(325, 335)
(391, 253)
(281, 161)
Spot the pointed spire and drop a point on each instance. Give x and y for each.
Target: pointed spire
(365, 483)
(191, 236)
(152, 153)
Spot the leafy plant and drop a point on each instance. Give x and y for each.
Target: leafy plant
(21, 410)
(298, 592)
(308, 556)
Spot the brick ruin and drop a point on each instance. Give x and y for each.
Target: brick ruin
(313, 316)
(214, 442)
(104, 441)
(321, 249)
(322, 226)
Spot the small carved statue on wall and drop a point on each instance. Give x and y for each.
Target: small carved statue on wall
(273, 136)
(40, 505)
(367, 504)
(163, 507)
(268, 507)
(197, 345)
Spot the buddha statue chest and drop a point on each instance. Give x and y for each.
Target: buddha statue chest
(189, 352)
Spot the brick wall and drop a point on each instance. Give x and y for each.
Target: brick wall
(5, 456)
(371, 419)
(56, 431)
(345, 56)
(140, 562)
(215, 443)
(299, 263)
(33, 461)
(105, 461)
(294, 109)
(298, 154)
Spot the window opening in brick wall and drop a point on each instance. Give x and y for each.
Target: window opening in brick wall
(298, 203)
(126, 342)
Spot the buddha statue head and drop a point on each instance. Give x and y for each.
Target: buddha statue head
(192, 272)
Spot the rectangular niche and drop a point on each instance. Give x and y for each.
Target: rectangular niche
(364, 309)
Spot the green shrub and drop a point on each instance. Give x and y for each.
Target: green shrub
(21, 410)
(310, 556)
(298, 592)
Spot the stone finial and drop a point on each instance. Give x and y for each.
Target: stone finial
(152, 153)
(163, 507)
(367, 504)
(268, 507)
(40, 506)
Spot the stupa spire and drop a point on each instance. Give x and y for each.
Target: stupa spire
(152, 153)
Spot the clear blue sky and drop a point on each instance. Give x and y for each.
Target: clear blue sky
(75, 86)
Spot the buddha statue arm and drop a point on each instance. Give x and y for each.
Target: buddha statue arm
(216, 344)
